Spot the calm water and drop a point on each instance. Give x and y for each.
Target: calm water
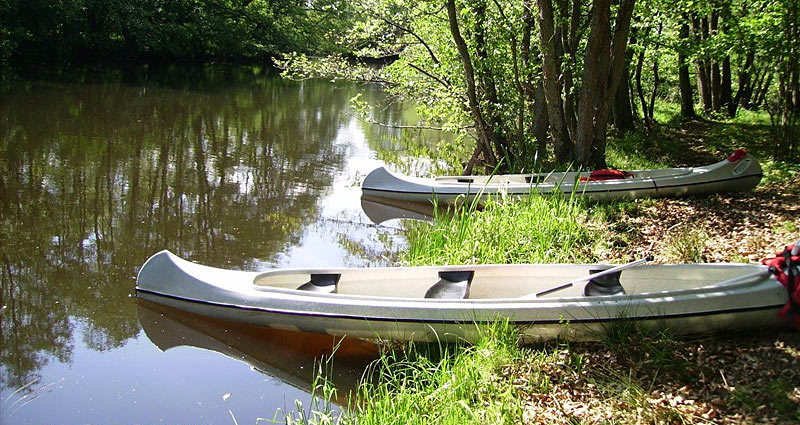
(231, 167)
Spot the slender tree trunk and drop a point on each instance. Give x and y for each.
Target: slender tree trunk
(575, 31)
(515, 61)
(653, 94)
(745, 84)
(750, 89)
(621, 112)
(716, 76)
(726, 89)
(534, 94)
(684, 79)
(700, 27)
(540, 122)
(761, 94)
(484, 139)
(603, 72)
(704, 84)
(639, 89)
(562, 144)
(487, 82)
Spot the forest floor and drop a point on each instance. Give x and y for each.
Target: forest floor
(739, 378)
(730, 227)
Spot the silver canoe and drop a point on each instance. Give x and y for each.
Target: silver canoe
(448, 302)
(738, 174)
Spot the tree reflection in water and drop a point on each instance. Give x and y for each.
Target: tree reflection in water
(222, 166)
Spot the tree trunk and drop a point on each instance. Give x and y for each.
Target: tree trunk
(685, 80)
(726, 91)
(534, 94)
(700, 27)
(621, 112)
(716, 76)
(484, 137)
(486, 81)
(540, 122)
(595, 82)
(640, 90)
(562, 143)
(603, 72)
(651, 111)
(745, 84)
(761, 94)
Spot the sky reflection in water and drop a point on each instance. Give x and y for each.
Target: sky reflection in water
(230, 167)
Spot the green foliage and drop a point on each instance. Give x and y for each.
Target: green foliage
(174, 29)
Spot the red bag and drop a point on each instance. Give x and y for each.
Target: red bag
(785, 269)
(737, 155)
(606, 174)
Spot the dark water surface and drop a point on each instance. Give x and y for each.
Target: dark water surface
(230, 167)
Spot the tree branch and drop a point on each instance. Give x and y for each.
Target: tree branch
(415, 35)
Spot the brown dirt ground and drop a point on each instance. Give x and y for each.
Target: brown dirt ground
(732, 227)
(731, 379)
(725, 379)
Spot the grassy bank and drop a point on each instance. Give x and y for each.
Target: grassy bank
(631, 377)
(535, 229)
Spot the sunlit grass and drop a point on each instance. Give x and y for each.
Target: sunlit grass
(631, 376)
(534, 229)
(431, 384)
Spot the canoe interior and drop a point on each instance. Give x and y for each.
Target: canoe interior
(559, 177)
(510, 281)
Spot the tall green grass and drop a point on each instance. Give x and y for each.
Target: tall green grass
(430, 384)
(534, 229)
(443, 384)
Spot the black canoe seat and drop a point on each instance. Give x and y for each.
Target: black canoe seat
(604, 285)
(451, 285)
(321, 282)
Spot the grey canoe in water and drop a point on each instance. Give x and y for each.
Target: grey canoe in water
(448, 302)
(739, 173)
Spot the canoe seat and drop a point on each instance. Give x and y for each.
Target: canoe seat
(604, 285)
(321, 282)
(451, 285)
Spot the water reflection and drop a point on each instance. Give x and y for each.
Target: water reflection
(231, 167)
(282, 354)
(380, 210)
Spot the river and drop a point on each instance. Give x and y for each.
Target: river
(234, 167)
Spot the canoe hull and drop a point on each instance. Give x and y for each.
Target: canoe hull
(529, 330)
(726, 176)
(232, 296)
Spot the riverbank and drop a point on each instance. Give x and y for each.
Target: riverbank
(631, 376)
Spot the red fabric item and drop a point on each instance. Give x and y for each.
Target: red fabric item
(783, 277)
(606, 174)
(737, 155)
